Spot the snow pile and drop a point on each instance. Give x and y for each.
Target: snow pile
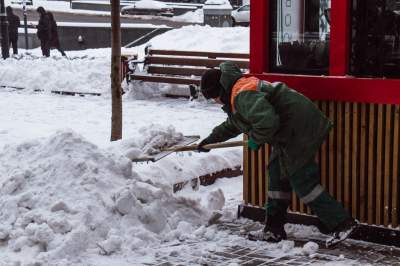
(62, 197)
(216, 200)
(204, 38)
(88, 71)
(177, 168)
(154, 138)
(220, 4)
(196, 16)
(149, 4)
(302, 232)
(81, 74)
(310, 248)
(158, 138)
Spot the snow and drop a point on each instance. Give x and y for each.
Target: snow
(85, 71)
(310, 248)
(64, 196)
(204, 38)
(69, 196)
(58, 6)
(101, 25)
(217, 4)
(155, 138)
(196, 16)
(71, 75)
(149, 4)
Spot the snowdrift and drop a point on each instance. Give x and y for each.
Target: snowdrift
(62, 197)
(88, 70)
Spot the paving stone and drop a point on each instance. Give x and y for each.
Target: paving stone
(361, 252)
(254, 262)
(226, 255)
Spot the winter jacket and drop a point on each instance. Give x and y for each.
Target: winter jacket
(13, 24)
(271, 113)
(44, 28)
(54, 40)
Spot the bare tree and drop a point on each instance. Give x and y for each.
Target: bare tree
(116, 116)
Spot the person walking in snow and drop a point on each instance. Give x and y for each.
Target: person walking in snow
(44, 31)
(54, 41)
(13, 24)
(295, 128)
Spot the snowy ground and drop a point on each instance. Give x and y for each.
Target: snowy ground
(70, 197)
(86, 71)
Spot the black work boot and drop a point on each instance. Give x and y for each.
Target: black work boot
(342, 232)
(273, 231)
(268, 234)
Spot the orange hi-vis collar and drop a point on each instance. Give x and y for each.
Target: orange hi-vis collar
(243, 84)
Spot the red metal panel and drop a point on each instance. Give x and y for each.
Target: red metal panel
(337, 86)
(339, 37)
(367, 90)
(259, 36)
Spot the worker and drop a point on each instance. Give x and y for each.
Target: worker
(295, 128)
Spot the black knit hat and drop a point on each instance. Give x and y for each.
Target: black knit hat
(40, 10)
(210, 85)
(9, 10)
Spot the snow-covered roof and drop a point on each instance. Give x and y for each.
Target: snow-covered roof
(97, 2)
(217, 4)
(149, 4)
(102, 25)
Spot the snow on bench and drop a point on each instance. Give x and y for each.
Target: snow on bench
(181, 67)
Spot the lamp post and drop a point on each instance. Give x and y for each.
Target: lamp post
(5, 52)
(25, 25)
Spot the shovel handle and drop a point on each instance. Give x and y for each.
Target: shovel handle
(208, 146)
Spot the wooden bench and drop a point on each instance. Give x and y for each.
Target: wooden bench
(182, 67)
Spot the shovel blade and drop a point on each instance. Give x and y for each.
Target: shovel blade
(155, 157)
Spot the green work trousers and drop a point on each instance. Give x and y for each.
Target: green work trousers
(306, 184)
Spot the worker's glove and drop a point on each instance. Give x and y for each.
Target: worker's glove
(202, 143)
(252, 145)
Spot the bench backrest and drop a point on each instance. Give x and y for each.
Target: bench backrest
(189, 63)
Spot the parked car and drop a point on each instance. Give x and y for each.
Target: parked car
(148, 7)
(241, 16)
(21, 2)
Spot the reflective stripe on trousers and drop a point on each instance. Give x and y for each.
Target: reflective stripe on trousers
(279, 195)
(317, 190)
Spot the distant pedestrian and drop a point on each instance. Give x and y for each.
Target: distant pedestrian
(54, 41)
(44, 31)
(13, 24)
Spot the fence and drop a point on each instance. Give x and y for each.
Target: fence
(359, 163)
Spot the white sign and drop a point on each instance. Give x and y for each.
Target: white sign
(290, 20)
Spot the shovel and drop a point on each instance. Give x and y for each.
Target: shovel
(184, 146)
(213, 146)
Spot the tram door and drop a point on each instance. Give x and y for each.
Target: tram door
(375, 47)
(300, 39)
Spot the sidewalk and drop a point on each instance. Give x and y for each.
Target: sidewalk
(251, 253)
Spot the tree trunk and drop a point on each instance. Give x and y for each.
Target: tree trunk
(116, 116)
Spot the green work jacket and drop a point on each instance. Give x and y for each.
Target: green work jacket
(273, 114)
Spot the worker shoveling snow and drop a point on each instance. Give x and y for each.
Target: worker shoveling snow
(63, 197)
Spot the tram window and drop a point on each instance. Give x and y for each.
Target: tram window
(300, 36)
(375, 41)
